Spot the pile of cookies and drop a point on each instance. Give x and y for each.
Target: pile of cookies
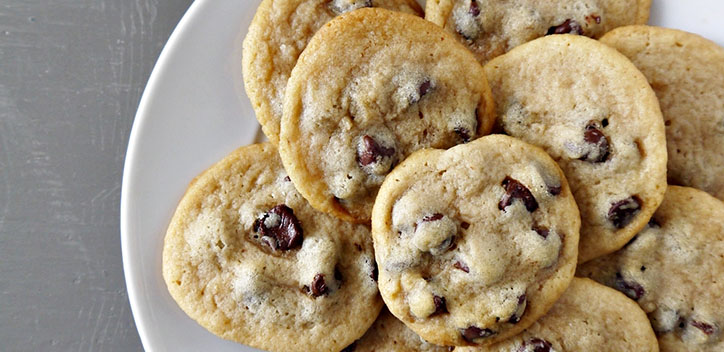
(436, 184)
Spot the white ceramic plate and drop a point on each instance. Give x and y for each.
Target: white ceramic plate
(194, 112)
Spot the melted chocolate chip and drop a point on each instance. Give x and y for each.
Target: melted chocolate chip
(433, 217)
(319, 287)
(460, 265)
(535, 345)
(522, 303)
(473, 332)
(542, 231)
(707, 329)
(515, 189)
(592, 135)
(569, 26)
(279, 228)
(463, 133)
(623, 211)
(474, 9)
(372, 151)
(631, 289)
(440, 305)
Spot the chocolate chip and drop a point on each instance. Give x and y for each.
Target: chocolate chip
(542, 231)
(287, 179)
(623, 211)
(555, 190)
(433, 217)
(279, 228)
(599, 142)
(630, 288)
(474, 9)
(535, 345)
(707, 329)
(463, 133)
(515, 189)
(340, 6)
(460, 265)
(567, 27)
(319, 287)
(350, 348)
(371, 151)
(473, 332)
(522, 303)
(465, 225)
(440, 305)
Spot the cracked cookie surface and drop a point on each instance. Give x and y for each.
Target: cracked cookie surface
(475, 243)
(372, 87)
(490, 28)
(672, 269)
(588, 317)
(595, 114)
(277, 36)
(687, 73)
(251, 261)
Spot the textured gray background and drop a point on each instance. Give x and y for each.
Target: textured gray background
(71, 75)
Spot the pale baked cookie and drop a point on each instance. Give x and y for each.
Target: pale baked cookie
(687, 73)
(277, 35)
(588, 317)
(390, 334)
(492, 27)
(372, 87)
(673, 269)
(249, 260)
(596, 115)
(475, 243)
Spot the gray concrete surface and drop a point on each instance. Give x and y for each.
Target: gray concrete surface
(71, 75)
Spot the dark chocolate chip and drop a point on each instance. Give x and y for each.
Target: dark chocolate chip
(465, 225)
(372, 151)
(623, 211)
(319, 287)
(284, 234)
(473, 332)
(542, 231)
(569, 26)
(433, 217)
(440, 305)
(474, 9)
(592, 135)
(522, 303)
(463, 133)
(535, 345)
(555, 190)
(604, 122)
(515, 189)
(704, 327)
(631, 289)
(286, 178)
(460, 265)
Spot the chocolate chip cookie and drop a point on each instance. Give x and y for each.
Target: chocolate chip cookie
(371, 87)
(474, 243)
(492, 27)
(588, 317)
(673, 270)
(277, 35)
(249, 260)
(687, 73)
(595, 114)
(390, 334)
